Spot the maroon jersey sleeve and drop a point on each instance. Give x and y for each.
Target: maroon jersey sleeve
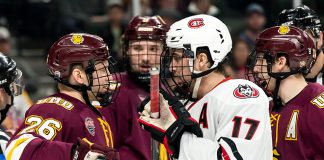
(40, 136)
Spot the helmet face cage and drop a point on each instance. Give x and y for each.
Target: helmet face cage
(143, 43)
(17, 86)
(142, 55)
(104, 80)
(10, 76)
(176, 71)
(263, 61)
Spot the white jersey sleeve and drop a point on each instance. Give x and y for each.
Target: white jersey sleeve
(3, 142)
(235, 121)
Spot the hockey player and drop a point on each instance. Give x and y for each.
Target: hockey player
(10, 86)
(66, 125)
(143, 45)
(305, 18)
(283, 56)
(229, 118)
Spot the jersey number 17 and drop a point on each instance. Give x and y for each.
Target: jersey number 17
(237, 120)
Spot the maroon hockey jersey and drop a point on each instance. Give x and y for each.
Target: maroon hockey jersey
(132, 142)
(297, 129)
(52, 126)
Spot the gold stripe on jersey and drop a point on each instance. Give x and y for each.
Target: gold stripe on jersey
(17, 143)
(275, 118)
(163, 154)
(107, 132)
(16, 147)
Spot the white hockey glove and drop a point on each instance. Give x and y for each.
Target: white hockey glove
(174, 120)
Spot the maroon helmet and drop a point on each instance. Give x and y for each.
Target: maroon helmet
(290, 42)
(143, 28)
(146, 28)
(72, 49)
(87, 50)
(293, 43)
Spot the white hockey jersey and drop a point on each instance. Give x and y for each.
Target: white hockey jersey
(235, 120)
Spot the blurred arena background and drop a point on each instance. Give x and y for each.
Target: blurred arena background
(29, 27)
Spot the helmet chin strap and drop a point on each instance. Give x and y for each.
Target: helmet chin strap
(83, 89)
(277, 103)
(198, 79)
(196, 86)
(198, 75)
(279, 77)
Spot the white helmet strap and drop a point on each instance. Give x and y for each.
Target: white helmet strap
(196, 86)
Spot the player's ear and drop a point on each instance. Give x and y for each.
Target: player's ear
(282, 63)
(78, 75)
(202, 61)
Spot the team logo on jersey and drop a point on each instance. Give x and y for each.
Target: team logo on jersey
(245, 91)
(196, 23)
(77, 39)
(283, 29)
(89, 123)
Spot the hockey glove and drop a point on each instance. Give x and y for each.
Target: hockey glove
(174, 120)
(85, 150)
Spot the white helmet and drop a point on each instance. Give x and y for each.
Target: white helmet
(192, 33)
(201, 31)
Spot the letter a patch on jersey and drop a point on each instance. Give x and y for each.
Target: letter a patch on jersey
(291, 133)
(203, 116)
(245, 91)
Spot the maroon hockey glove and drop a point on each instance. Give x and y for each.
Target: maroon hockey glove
(85, 150)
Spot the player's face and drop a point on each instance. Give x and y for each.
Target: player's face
(103, 81)
(179, 67)
(4, 98)
(261, 76)
(144, 54)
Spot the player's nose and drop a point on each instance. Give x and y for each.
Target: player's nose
(172, 68)
(257, 69)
